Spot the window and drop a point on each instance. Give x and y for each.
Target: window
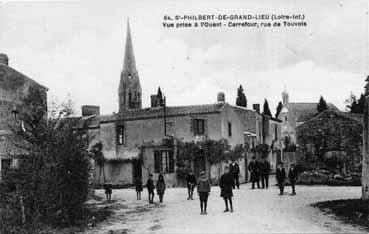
(120, 135)
(230, 129)
(199, 126)
(163, 161)
(5, 164)
(285, 118)
(170, 128)
(275, 132)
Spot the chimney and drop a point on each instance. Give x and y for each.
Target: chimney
(4, 59)
(88, 110)
(256, 107)
(221, 97)
(154, 101)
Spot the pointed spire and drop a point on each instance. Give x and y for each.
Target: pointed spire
(129, 57)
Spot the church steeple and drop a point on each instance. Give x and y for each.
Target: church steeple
(129, 87)
(285, 97)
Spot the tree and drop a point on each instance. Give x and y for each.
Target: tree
(52, 176)
(322, 105)
(357, 106)
(241, 97)
(266, 109)
(365, 161)
(279, 109)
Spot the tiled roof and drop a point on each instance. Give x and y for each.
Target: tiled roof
(10, 77)
(359, 118)
(306, 111)
(152, 113)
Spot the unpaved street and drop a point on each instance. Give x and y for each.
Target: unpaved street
(256, 211)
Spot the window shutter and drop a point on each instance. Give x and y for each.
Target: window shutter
(167, 162)
(124, 135)
(192, 126)
(157, 161)
(206, 127)
(171, 162)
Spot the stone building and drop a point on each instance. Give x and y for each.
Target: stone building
(294, 114)
(330, 137)
(139, 141)
(13, 87)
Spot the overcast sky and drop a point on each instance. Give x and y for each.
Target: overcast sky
(77, 48)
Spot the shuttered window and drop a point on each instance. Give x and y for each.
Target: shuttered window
(198, 126)
(229, 129)
(120, 135)
(164, 161)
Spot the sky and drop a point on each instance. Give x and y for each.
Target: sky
(76, 49)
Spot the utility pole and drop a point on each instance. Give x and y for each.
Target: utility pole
(365, 161)
(165, 116)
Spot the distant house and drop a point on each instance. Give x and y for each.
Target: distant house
(332, 135)
(294, 114)
(13, 87)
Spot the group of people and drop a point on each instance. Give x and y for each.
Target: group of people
(160, 188)
(226, 183)
(260, 170)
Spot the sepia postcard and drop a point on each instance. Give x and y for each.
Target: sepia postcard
(184, 116)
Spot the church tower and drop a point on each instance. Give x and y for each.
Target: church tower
(285, 98)
(129, 91)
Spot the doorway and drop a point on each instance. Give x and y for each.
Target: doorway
(137, 169)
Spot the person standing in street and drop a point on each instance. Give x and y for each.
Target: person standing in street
(264, 173)
(254, 172)
(235, 172)
(191, 183)
(150, 188)
(108, 187)
(226, 184)
(281, 177)
(203, 189)
(138, 185)
(160, 187)
(292, 176)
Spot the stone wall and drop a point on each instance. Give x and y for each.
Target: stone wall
(330, 131)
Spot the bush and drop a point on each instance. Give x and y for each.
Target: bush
(50, 183)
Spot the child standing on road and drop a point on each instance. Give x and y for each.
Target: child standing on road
(203, 189)
(292, 176)
(281, 177)
(226, 184)
(150, 188)
(191, 182)
(108, 187)
(160, 187)
(139, 189)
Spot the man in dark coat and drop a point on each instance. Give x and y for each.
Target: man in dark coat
(226, 184)
(150, 188)
(281, 177)
(235, 172)
(264, 173)
(292, 176)
(191, 183)
(254, 172)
